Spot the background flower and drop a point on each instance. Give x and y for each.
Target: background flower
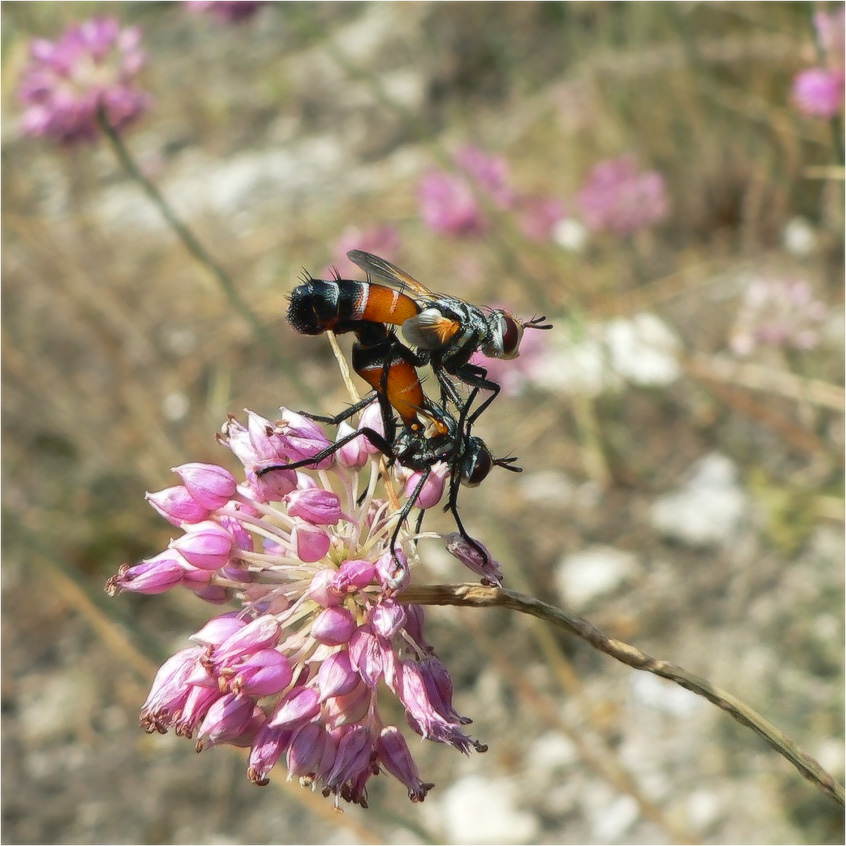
(618, 198)
(90, 66)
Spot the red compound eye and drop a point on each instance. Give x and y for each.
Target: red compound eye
(512, 332)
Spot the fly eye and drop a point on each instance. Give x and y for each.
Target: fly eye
(512, 332)
(477, 464)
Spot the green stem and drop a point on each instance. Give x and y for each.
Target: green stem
(203, 257)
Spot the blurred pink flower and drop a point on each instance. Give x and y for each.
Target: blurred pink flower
(90, 66)
(830, 33)
(818, 92)
(448, 201)
(777, 313)
(226, 12)
(490, 172)
(382, 240)
(618, 198)
(539, 216)
(448, 205)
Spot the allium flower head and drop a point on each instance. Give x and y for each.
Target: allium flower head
(779, 313)
(448, 201)
(319, 637)
(89, 67)
(618, 198)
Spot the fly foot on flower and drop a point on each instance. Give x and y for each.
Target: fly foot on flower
(317, 564)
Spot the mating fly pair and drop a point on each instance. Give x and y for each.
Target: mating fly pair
(445, 331)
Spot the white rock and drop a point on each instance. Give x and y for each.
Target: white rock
(585, 575)
(548, 487)
(615, 819)
(483, 810)
(551, 751)
(707, 509)
(662, 695)
(571, 234)
(576, 366)
(643, 349)
(799, 237)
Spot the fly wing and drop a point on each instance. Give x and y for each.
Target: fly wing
(385, 271)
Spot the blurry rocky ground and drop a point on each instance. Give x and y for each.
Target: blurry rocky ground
(680, 429)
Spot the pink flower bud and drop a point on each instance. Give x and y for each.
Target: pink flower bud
(348, 708)
(352, 757)
(297, 707)
(433, 488)
(206, 546)
(267, 749)
(270, 443)
(262, 632)
(354, 574)
(367, 655)
(393, 572)
(336, 676)
(170, 687)
(351, 454)
(471, 558)
(371, 418)
(310, 543)
(305, 480)
(226, 719)
(306, 749)
(414, 626)
(395, 756)
(241, 537)
(333, 626)
(218, 629)
(236, 436)
(211, 486)
(316, 506)
(153, 576)
(387, 618)
(304, 437)
(195, 708)
(438, 684)
(272, 486)
(264, 673)
(195, 578)
(177, 506)
(323, 590)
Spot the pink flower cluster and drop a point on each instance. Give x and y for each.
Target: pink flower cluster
(321, 636)
(450, 202)
(819, 91)
(777, 313)
(90, 67)
(617, 197)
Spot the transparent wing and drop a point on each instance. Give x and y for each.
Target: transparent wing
(385, 271)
